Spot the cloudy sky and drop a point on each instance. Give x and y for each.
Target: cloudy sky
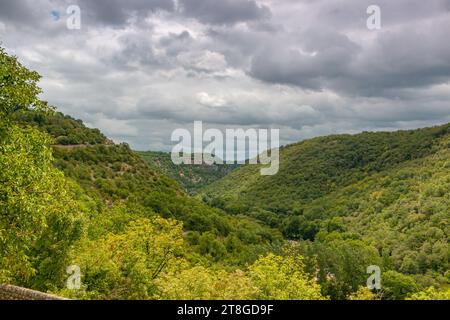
(138, 69)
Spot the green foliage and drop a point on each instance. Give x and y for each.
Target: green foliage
(340, 265)
(388, 191)
(431, 294)
(124, 265)
(18, 87)
(397, 286)
(270, 277)
(283, 278)
(66, 130)
(39, 220)
(363, 293)
(35, 208)
(150, 259)
(200, 283)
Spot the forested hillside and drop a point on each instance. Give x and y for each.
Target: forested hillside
(316, 167)
(389, 191)
(71, 197)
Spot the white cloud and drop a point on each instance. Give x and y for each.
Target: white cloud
(203, 61)
(116, 128)
(210, 101)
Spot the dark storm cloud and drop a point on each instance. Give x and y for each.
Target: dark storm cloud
(28, 15)
(238, 45)
(175, 43)
(224, 11)
(410, 58)
(118, 12)
(410, 54)
(137, 52)
(15, 11)
(315, 61)
(115, 13)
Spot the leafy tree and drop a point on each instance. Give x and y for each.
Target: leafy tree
(363, 293)
(125, 265)
(200, 283)
(431, 294)
(18, 87)
(283, 278)
(39, 220)
(339, 264)
(397, 286)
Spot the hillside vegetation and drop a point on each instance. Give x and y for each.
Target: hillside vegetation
(386, 190)
(115, 176)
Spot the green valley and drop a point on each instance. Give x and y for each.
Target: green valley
(69, 196)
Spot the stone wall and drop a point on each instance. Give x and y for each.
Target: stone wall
(9, 292)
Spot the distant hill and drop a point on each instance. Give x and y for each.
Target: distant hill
(191, 177)
(314, 168)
